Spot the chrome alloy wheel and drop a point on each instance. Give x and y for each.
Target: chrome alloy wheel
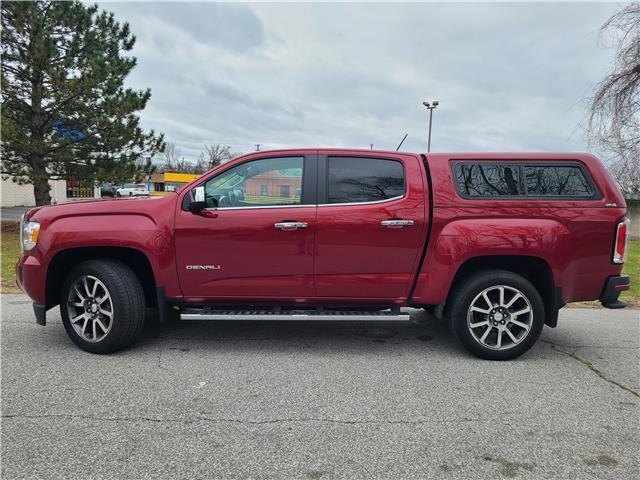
(90, 308)
(500, 317)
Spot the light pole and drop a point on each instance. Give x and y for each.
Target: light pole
(430, 107)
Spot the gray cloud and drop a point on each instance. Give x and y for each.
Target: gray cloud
(509, 76)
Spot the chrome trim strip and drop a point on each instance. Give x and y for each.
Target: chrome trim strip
(21, 234)
(298, 205)
(375, 202)
(396, 223)
(291, 225)
(402, 317)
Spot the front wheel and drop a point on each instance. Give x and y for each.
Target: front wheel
(102, 306)
(497, 315)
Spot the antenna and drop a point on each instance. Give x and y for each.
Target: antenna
(403, 139)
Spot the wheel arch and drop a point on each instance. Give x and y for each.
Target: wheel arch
(535, 269)
(65, 260)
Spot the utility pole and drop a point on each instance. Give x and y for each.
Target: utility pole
(430, 107)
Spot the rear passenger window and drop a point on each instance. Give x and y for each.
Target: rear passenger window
(557, 181)
(488, 180)
(352, 180)
(523, 180)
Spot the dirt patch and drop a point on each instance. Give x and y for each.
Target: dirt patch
(632, 303)
(379, 333)
(10, 227)
(7, 286)
(510, 469)
(602, 460)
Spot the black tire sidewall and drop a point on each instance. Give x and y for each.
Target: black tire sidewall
(122, 289)
(467, 291)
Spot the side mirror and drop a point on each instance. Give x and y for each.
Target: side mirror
(197, 201)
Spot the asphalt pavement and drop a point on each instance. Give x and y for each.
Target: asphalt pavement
(320, 401)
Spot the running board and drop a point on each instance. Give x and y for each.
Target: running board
(311, 315)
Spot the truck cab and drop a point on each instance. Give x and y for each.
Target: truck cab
(495, 244)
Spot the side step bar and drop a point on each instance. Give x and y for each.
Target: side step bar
(311, 315)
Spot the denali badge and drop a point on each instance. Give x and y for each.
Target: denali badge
(203, 267)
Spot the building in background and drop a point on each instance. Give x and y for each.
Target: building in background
(16, 195)
(285, 185)
(165, 182)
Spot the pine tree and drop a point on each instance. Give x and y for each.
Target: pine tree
(65, 110)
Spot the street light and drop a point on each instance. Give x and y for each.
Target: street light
(430, 107)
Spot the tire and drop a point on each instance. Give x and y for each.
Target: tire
(118, 194)
(470, 310)
(124, 301)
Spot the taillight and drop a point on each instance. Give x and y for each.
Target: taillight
(620, 247)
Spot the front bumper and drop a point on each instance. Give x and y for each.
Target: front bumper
(612, 289)
(31, 277)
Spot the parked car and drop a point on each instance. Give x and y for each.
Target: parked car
(106, 190)
(132, 190)
(494, 243)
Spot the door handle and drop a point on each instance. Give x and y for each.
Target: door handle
(396, 223)
(290, 225)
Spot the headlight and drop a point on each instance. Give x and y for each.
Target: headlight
(29, 235)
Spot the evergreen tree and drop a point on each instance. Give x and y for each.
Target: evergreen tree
(65, 110)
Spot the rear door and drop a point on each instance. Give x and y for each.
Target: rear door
(258, 242)
(370, 225)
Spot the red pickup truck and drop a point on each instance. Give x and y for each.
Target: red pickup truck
(494, 243)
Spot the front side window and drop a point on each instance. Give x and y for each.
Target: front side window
(356, 180)
(488, 180)
(557, 181)
(264, 182)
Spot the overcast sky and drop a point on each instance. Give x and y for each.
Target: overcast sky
(509, 76)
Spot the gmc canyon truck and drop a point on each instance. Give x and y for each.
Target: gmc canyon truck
(495, 244)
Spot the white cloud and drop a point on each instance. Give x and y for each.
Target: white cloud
(509, 76)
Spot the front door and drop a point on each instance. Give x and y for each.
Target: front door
(256, 240)
(371, 226)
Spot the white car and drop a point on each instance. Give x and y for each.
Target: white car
(132, 190)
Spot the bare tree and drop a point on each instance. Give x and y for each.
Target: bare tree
(202, 165)
(170, 156)
(216, 154)
(212, 156)
(614, 117)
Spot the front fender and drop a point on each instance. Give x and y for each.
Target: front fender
(137, 231)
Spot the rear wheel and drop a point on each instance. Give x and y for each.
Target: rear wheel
(102, 306)
(497, 315)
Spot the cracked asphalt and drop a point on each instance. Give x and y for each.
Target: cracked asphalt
(320, 401)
